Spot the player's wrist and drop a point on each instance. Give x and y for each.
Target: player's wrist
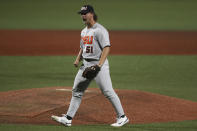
(100, 65)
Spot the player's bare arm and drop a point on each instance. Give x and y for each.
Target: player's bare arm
(78, 59)
(104, 55)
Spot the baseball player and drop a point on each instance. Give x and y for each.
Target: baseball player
(94, 49)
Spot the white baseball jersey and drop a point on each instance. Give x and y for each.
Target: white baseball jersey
(93, 40)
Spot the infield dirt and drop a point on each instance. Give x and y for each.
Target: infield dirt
(34, 42)
(35, 106)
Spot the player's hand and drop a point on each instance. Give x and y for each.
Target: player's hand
(76, 63)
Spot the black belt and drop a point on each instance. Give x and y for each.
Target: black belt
(89, 60)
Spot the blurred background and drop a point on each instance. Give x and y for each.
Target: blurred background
(154, 43)
(113, 14)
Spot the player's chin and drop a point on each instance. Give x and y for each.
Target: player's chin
(85, 22)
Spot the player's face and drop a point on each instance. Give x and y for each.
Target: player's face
(87, 18)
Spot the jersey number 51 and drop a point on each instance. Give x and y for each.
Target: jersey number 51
(89, 49)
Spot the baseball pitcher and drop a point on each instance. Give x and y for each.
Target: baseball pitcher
(94, 49)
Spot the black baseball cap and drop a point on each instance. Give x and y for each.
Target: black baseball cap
(86, 9)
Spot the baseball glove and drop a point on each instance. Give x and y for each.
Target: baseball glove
(91, 72)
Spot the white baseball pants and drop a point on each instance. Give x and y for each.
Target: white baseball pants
(103, 80)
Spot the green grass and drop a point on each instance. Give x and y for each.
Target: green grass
(168, 75)
(23, 72)
(171, 126)
(115, 15)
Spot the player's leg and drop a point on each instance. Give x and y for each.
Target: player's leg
(103, 79)
(80, 85)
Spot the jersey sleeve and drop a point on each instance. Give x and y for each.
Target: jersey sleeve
(103, 38)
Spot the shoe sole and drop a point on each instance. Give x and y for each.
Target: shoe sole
(55, 119)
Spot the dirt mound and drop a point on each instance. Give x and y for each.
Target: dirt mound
(35, 106)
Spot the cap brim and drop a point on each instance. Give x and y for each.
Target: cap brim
(79, 12)
(82, 12)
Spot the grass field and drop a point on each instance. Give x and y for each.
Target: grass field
(171, 126)
(115, 15)
(168, 75)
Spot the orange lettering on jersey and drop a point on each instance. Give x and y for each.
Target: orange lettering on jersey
(87, 39)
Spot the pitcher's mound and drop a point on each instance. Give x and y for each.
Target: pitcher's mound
(35, 106)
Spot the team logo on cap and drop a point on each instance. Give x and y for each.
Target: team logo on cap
(83, 8)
